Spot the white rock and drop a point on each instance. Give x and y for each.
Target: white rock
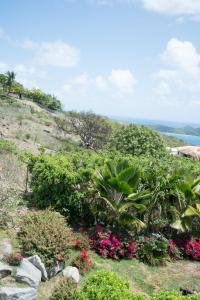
(72, 273)
(28, 273)
(8, 293)
(36, 261)
(5, 270)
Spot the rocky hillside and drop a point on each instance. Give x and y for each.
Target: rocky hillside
(28, 125)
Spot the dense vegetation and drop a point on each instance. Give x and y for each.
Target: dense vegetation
(125, 194)
(8, 85)
(138, 140)
(100, 285)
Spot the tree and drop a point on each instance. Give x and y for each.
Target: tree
(18, 89)
(139, 140)
(10, 80)
(190, 204)
(117, 186)
(94, 131)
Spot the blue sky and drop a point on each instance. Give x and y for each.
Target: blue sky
(131, 58)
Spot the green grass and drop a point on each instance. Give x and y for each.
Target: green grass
(147, 279)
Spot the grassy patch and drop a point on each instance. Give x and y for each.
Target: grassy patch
(147, 279)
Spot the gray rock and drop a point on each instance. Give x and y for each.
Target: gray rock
(8, 293)
(5, 247)
(28, 273)
(36, 261)
(72, 273)
(60, 265)
(5, 270)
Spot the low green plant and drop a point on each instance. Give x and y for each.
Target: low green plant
(27, 136)
(153, 250)
(64, 291)
(102, 285)
(7, 147)
(46, 234)
(173, 295)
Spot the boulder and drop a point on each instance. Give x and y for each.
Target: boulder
(5, 270)
(36, 261)
(72, 273)
(28, 273)
(10, 293)
(60, 265)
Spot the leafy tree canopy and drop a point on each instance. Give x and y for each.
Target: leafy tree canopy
(139, 140)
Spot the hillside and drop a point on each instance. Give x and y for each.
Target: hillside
(28, 125)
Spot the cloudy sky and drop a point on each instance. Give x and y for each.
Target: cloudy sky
(131, 58)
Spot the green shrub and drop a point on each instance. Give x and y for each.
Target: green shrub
(102, 285)
(61, 182)
(46, 233)
(173, 295)
(7, 147)
(65, 291)
(153, 250)
(139, 140)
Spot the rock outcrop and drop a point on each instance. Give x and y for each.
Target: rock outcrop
(10, 293)
(28, 273)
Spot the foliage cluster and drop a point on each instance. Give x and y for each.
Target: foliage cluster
(153, 250)
(83, 261)
(13, 259)
(139, 140)
(61, 182)
(10, 85)
(155, 195)
(108, 245)
(192, 249)
(94, 131)
(104, 284)
(46, 234)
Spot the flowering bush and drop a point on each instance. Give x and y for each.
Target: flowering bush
(174, 251)
(83, 262)
(46, 234)
(82, 241)
(192, 249)
(109, 245)
(153, 250)
(13, 259)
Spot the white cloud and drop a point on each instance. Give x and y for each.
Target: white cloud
(173, 7)
(58, 53)
(183, 72)
(28, 75)
(123, 80)
(182, 55)
(119, 82)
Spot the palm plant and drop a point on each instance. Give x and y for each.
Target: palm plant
(190, 204)
(117, 185)
(10, 80)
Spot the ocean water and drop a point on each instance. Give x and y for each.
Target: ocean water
(189, 139)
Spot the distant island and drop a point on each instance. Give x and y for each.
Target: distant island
(189, 130)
